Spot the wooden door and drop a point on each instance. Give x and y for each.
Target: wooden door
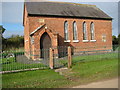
(45, 44)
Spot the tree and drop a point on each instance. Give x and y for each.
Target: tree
(2, 30)
(2, 39)
(15, 41)
(119, 38)
(114, 40)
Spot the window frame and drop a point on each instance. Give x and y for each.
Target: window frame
(75, 33)
(84, 32)
(92, 31)
(65, 30)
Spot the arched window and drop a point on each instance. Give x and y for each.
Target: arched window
(74, 31)
(92, 30)
(84, 31)
(66, 30)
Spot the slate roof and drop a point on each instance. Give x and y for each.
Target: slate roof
(65, 10)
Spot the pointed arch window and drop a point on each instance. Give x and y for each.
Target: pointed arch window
(92, 31)
(84, 31)
(75, 37)
(65, 30)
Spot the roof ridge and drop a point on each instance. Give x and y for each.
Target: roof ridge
(72, 3)
(65, 3)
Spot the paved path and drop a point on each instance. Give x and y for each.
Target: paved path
(113, 83)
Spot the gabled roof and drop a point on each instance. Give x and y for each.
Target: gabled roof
(37, 29)
(65, 10)
(40, 27)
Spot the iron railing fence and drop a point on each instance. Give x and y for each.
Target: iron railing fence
(60, 56)
(17, 60)
(78, 51)
(84, 54)
(21, 60)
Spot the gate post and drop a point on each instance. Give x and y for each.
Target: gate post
(51, 64)
(69, 57)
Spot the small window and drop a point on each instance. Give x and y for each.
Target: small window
(66, 30)
(92, 31)
(104, 37)
(74, 31)
(84, 31)
(32, 40)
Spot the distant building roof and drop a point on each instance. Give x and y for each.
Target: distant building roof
(65, 9)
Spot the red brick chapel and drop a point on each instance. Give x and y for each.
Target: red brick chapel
(54, 24)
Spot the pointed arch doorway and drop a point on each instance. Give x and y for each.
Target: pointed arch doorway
(45, 44)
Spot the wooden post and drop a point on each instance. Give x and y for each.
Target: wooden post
(51, 64)
(69, 57)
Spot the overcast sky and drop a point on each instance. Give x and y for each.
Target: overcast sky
(12, 14)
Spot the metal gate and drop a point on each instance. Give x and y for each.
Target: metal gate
(60, 59)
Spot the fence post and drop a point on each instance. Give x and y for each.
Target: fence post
(51, 64)
(69, 57)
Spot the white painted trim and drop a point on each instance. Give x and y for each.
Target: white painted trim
(86, 29)
(37, 29)
(92, 40)
(66, 40)
(76, 29)
(93, 28)
(26, 40)
(75, 40)
(85, 40)
(45, 27)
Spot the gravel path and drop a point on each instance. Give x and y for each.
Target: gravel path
(113, 83)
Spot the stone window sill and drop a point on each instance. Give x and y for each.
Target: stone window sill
(75, 40)
(92, 40)
(66, 40)
(85, 40)
(26, 40)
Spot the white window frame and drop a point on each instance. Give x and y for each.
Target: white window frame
(66, 32)
(92, 31)
(75, 33)
(92, 28)
(75, 41)
(85, 32)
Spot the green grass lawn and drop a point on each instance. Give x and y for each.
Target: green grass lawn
(95, 70)
(87, 58)
(85, 69)
(81, 72)
(34, 79)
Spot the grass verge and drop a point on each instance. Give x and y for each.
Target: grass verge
(81, 72)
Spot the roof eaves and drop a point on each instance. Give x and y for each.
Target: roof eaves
(62, 16)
